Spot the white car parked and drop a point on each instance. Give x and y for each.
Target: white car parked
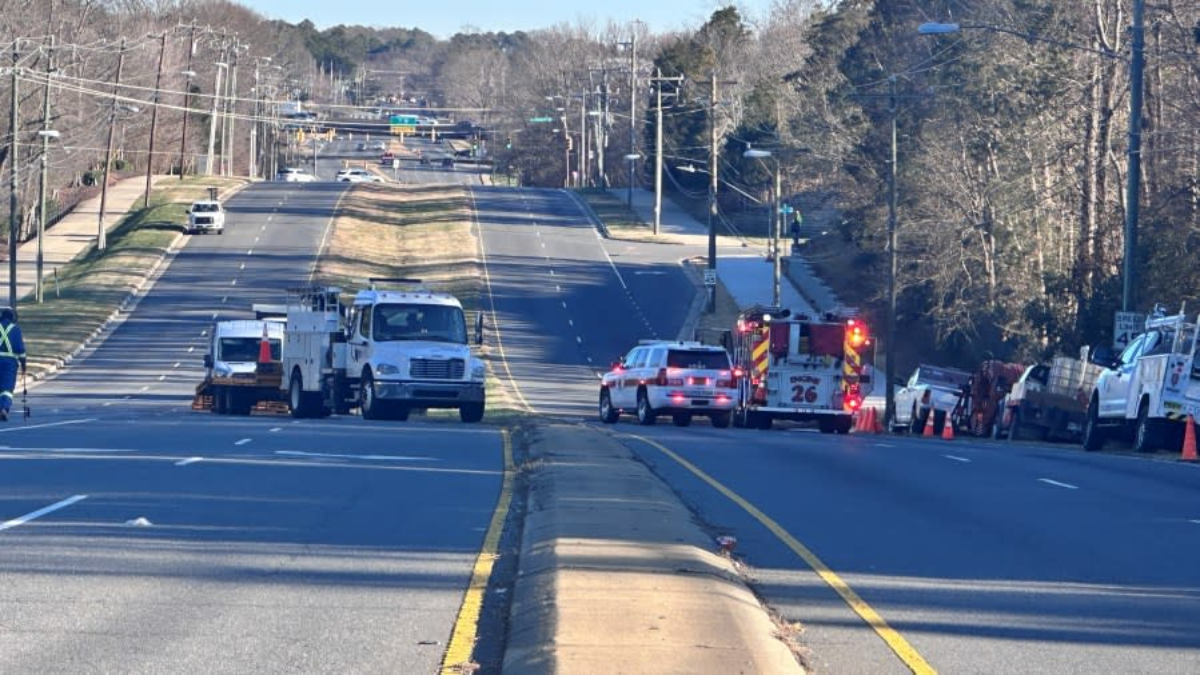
(930, 389)
(206, 216)
(680, 379)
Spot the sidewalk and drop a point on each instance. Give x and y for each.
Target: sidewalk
(73, 234)
(748, 277)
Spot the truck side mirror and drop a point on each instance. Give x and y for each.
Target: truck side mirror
(208, 361)
(479, 328)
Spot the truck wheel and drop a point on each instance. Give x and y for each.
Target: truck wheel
(608, 414)
(842, 425)
(720, 420)
(763, 421)
(471, 412)
(1145, 434)
(645, 413)
(682, 419)
(1093, 434)
(372, 409)
(297, 401)
(825, 425)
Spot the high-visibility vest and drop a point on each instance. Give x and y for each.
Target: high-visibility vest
(6, 348)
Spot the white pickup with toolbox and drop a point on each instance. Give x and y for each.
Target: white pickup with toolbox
(1146, 391)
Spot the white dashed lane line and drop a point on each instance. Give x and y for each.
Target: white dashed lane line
(964, 460)
(189, 460)
(242, 441)
(41, 512)
(1055, 483)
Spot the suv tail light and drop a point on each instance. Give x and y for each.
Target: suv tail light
(728, 380)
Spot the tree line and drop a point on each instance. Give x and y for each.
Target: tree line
(1011, 132)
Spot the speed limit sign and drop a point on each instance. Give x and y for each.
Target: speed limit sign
(710, 277)
(1126, 326)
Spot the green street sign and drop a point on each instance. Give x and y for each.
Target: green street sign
(540, 120)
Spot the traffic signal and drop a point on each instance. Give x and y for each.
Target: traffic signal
(857, 334)
(570, 143)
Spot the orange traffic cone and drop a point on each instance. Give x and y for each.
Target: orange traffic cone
(1189, 441)
(869, 423)
(264, 347)
(927, 432)
(948, 429)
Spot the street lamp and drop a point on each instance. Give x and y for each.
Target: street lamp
(1134, 170)
(774, 229)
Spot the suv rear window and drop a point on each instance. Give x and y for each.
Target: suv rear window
(697, 359)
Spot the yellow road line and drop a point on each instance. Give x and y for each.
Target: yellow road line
(915, 662)
(487, 280)
(466, 626)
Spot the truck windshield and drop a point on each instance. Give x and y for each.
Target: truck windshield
(244, 349)
(439, 323)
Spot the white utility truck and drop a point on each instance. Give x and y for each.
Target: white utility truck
(388, 353)
(1149, 389)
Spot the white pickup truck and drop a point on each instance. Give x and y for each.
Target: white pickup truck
(1146, 391)
(206, 215)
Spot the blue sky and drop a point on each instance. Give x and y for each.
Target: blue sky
(443, 18)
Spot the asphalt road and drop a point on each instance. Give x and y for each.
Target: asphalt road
(137, 536)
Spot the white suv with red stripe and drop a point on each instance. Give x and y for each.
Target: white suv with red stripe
(680, 379)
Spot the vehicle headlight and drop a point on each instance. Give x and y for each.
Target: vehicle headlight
(387, 369)
(478, 370)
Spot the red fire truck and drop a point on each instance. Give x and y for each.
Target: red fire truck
(801, 368)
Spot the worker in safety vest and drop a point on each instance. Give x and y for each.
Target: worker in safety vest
(12, 354)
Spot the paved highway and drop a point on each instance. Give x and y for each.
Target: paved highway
(139, 536)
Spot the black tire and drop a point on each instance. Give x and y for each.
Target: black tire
(471, 412)
(720, 420)
(608, 414)
(372, 409)
(645, 414)
(763, 421)
(1146, 436)
(682, 419)
(1094, 435)
(842, 425)
(826, 425)
(297, 401)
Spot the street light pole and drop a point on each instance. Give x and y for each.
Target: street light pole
(889, 407)
(102, 234)
(712, 193)
(46, 135)
(212, 126)
(13, 206)
(162, 50)
(773, 224)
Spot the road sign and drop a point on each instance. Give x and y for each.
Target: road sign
(1126, 326)
(786, 209)
(540, 120)
(710, 277)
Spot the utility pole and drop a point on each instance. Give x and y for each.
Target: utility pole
(658, 81)
(230, 113)
(632, 109)
(13, 207)
(889, 407)
(1133, 188)
(162, 50)
(212, 126)
(41, 233)
(712, 193)
(102, 238)
(187, 97)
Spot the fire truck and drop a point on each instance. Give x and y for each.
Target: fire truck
(800, 368)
